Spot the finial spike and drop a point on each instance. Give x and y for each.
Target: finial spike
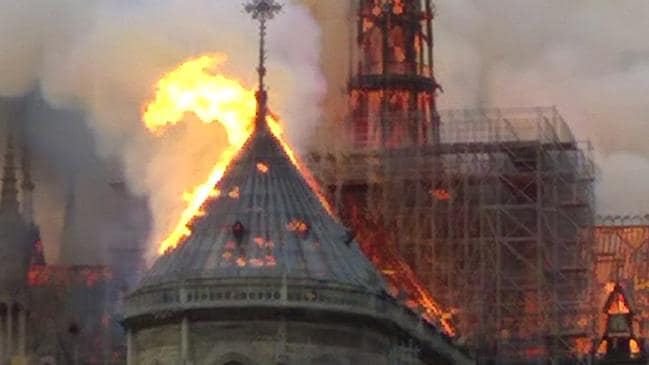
(262, 10)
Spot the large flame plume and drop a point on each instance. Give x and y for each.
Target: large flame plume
(196, 87)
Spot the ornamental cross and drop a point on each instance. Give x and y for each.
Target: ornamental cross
(262, 10)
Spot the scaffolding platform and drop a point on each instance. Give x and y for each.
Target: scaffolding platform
(495, 215)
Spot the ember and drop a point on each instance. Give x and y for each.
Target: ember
(270, 261)
(67, 276)
(441, 194)
(262, 167)
(634, 347)
(256, 262)
(241, 262)
(297, 226)
(234, 193)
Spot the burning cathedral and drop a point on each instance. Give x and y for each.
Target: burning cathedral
(64, 313)
(270, 276)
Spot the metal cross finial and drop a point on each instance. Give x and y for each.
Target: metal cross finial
(262, 10)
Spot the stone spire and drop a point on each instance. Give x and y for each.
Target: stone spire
(262, 10)
(9, 194)
(27, 186)
(69, 233)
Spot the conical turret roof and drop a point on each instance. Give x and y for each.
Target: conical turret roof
(267, 222)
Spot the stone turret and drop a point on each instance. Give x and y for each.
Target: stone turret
(15, 254)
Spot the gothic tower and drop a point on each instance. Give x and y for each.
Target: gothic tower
(16, 247)
(392, 93)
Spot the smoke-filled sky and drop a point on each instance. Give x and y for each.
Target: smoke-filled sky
(102, 58)
(590, 58)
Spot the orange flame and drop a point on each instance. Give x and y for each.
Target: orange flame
(212, 98)
(618, 306)
(401, 278)
(298, 226)
(195, 87)
(441, 194)
(634, 347)
(602, 348)
(234, 193)
(262, 167)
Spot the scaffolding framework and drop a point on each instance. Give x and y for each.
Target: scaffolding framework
(491, 208)
(495, 219)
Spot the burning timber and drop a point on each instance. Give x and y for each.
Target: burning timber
(494, 220)
(491, 208)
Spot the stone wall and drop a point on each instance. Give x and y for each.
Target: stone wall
(262, 343)
(158, 345)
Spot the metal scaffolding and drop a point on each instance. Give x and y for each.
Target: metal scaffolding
(495, 219)
(492, 209)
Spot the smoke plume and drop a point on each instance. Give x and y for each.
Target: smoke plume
(102, 58)
(589, 58)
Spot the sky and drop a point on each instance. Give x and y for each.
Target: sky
(589, 58)
(96, 64)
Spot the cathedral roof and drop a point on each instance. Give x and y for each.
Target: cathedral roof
(266, 223)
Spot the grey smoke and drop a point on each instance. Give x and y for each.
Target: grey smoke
(67, 168)
(101, 59)
(590, 58)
